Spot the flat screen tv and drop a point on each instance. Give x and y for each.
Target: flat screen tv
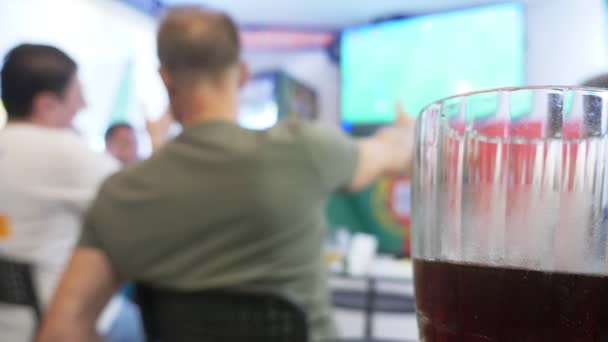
(422, 59)
(274, 96)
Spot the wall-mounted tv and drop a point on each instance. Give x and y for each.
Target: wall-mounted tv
(421, 59)
(273, 96)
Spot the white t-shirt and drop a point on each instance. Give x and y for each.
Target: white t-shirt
(48, 177)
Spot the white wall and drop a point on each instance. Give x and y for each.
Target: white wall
(102, 35)
(567, 40)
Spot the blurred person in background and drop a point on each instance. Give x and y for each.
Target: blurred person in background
(159, 130)
(48, 177)
(121, 142)
(219, 206)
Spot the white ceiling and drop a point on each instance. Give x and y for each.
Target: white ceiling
(325, 13)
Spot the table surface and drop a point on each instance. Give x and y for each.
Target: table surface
(385, 269)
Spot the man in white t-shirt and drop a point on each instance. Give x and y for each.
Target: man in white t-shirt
(48, 175)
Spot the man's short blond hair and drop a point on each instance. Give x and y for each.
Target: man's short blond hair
(196, 42)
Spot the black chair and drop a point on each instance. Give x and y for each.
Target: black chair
(17, 287)
(220, 316)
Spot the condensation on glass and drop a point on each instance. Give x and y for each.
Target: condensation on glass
(514, 177)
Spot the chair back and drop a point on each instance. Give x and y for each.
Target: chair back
(220, 316)
(17, 286)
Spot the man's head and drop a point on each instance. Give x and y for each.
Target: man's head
(121, 142)
(39, 85)
(199, 52)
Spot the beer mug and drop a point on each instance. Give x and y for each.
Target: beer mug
(509, 209)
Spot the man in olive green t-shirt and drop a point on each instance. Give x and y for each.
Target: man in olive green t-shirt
(219, 206)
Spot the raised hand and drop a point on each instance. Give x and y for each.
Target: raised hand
(159, 129)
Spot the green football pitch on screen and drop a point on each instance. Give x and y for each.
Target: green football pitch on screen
(419, 60)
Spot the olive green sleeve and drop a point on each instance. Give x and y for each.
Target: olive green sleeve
(88, 234)
(334, 156)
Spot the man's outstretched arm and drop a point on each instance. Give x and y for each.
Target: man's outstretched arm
(389, 151)
(85, 288)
